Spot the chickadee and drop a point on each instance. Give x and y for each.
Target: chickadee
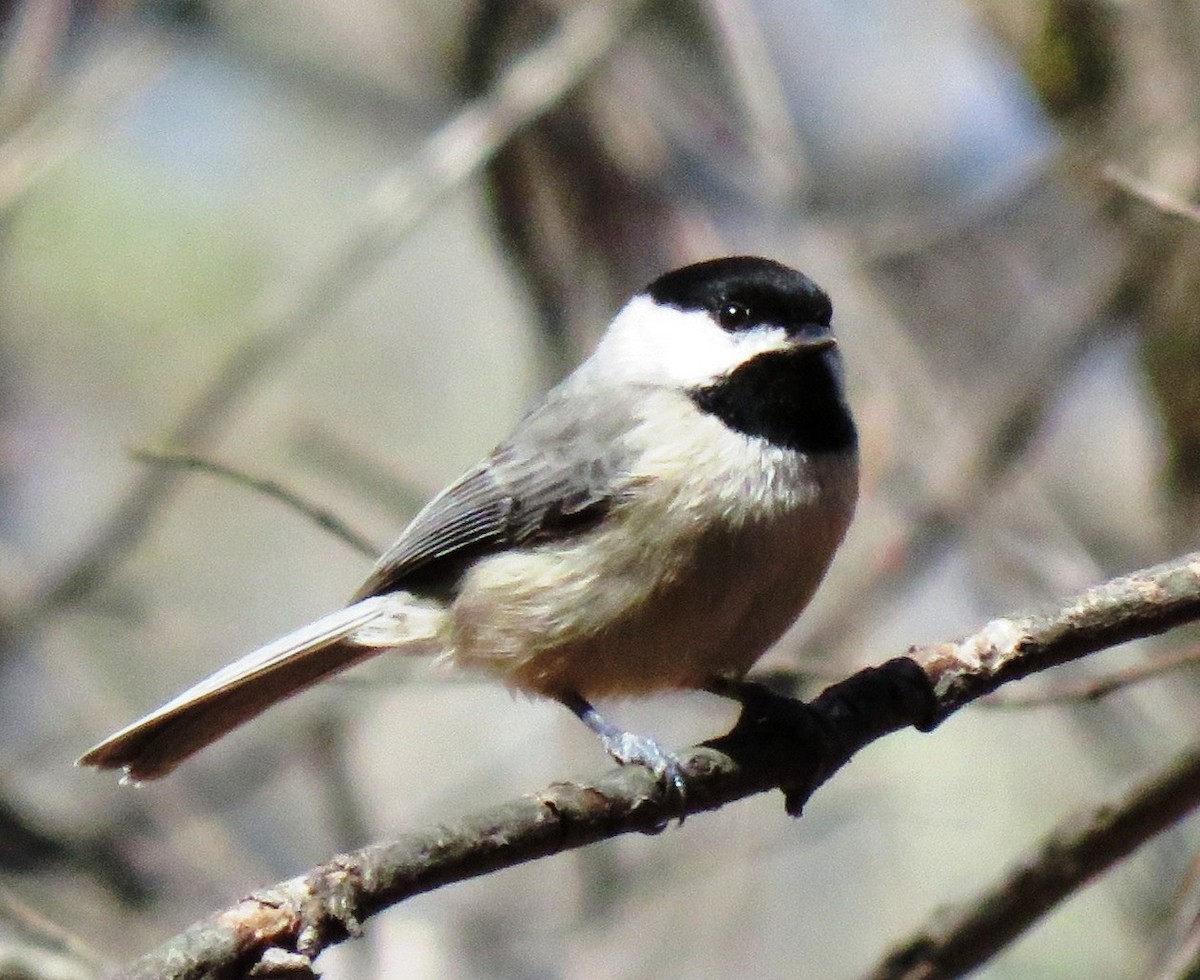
(655, 524)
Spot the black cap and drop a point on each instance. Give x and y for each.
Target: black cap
(745, 291)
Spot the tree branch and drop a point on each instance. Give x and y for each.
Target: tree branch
(963, 938)
(1145, 603)
(772, 747)
(1096, 688)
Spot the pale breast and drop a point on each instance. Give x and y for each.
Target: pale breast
(723, 546)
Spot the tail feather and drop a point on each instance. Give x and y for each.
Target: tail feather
(154, 745)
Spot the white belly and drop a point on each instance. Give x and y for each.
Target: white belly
(679, 593)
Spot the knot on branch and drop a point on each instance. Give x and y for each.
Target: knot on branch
(798, 746)
(328, 907)
(878, 700)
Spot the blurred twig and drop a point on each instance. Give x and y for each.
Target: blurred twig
(360, 471)
(961, 939)
(321, 516)
(289, 314)
(1162, 202)
(1185, 964)
(76, 114)
(30, 846)
(36, 947)
(782, 173)
(37, 33)
(1180, 957)
(796, 751)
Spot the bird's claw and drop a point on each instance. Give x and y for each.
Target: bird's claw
(630, 749)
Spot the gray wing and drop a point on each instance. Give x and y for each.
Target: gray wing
(557, 475)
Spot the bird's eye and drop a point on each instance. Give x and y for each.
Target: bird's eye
(731, 316)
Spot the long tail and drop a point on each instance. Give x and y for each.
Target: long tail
(154, 745)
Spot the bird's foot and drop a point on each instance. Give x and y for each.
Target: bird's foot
(630, 749)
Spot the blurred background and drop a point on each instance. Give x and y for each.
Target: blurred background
(307, 240)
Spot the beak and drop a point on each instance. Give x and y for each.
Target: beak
(813, 339)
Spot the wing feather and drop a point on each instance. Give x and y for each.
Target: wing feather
(556, 475)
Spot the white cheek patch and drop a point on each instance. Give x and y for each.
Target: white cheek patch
(660, 344)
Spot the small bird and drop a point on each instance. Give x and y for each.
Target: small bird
(654, 524)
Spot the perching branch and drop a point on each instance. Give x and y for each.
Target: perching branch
(772, 747)
(1145, 603)
(1096, 688)
(961, 939)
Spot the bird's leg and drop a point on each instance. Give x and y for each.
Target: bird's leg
(626, 747)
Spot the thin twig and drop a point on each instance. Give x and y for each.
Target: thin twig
(1162, 202)
(38, 32)
(961, 939)
(796, 752)
(288, 315)
(782, 172)
(360, 470)
(35, 946)
(321, 516)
